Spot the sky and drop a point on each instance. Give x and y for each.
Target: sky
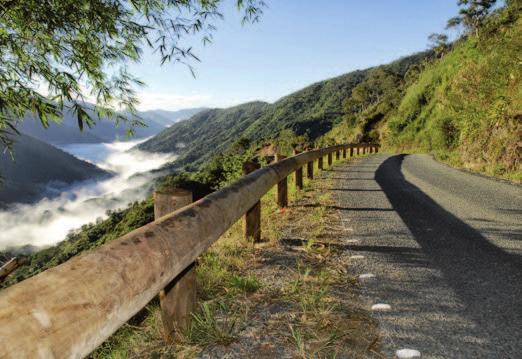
(295, 43)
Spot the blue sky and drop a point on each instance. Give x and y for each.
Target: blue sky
(296, 43)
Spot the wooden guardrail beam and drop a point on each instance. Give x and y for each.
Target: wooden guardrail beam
(69, 310)
(310, 170)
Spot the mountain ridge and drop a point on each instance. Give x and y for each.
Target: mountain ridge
(103, 130)
(310, 112)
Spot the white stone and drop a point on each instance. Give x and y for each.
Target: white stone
(357, 257)
(407, 353)
(42, 318)
(352, 241)
(367, 276)
(381, 307)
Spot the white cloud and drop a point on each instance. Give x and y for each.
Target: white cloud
(49, 220)
(165, 101)
(170, 101)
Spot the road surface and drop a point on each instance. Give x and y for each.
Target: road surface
(445, 247)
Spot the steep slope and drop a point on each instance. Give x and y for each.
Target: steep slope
(104, 130)
(466, 108)
(39, 170)
(369, 105)
(310, 111)
(314, 110)
(206, 133)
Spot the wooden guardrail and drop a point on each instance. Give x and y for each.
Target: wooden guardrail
(69, 310)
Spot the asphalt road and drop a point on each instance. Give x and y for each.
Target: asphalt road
(445, 247)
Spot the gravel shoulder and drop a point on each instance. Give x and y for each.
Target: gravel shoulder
(445, 248)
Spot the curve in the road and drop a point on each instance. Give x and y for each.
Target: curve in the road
(446, 250)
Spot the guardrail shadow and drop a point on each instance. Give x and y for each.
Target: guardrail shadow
(486, 278)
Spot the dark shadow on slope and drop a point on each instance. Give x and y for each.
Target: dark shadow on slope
(486, 278)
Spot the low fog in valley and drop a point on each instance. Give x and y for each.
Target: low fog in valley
(49, 220)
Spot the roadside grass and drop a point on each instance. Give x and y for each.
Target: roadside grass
(266, 298)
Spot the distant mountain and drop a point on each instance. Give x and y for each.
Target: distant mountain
(168, 118)
(104, 130)
(40, 170)
(205, 133)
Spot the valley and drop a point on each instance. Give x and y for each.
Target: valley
(128, 178)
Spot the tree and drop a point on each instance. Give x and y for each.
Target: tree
(55, 52)
(439, 43)
(472, 14)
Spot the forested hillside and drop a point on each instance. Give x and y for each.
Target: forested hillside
(314, 110)
(206, 133)
(309, 113)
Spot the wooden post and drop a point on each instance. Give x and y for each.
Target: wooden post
(320, 163)
(351, 151)
(168, 201)
(344, 152)
(364, 148)
(358, 149)
(252, 218)
(310, 170)
(282, 187)
(376, 148)
(330, 160)
(370, 148)
(178, 298)
(337, 155)
(298, 174)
